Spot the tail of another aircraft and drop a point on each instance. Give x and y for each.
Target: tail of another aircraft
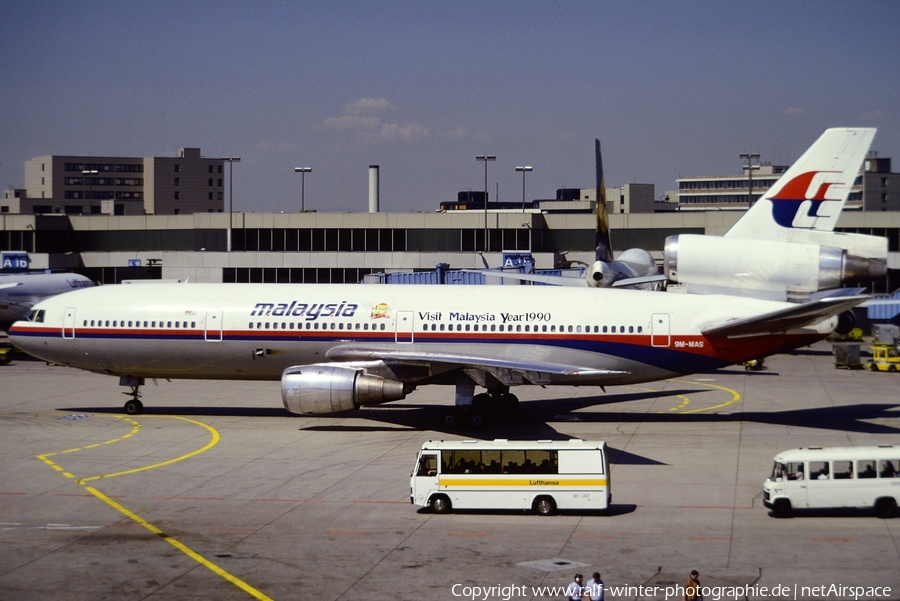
(811, 194)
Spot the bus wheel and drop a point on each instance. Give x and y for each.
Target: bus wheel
(885, 507)
(545, 505)
(440, 504)
(782, 508)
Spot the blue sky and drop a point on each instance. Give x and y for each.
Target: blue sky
(420, 88)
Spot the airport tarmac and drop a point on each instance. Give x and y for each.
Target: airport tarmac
(215, 492)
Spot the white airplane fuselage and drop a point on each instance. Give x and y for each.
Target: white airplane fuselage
(256, 331)
(21, 291)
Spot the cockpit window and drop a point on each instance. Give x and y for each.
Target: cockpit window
(36, 316)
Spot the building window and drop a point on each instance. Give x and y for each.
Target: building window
(177, 181)
(210, 182)
(178, 196)
(177, 168)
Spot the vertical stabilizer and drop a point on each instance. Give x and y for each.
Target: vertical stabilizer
(811, 194)
(604, 245)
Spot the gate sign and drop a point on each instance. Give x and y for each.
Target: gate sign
(14, 261)
(516, 259)
(134, 262)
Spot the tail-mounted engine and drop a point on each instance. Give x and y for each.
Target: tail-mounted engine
(713, 263)
(328, 388)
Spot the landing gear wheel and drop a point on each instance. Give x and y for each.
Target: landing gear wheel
(451, 418)
(440, 504)
(477, 420)
(509, 403)
(134, 407)
(545, 505)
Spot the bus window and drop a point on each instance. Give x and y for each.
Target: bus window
(843, 470)
(512, 461)
(865, 468)
(491, 460)
(818, 470)
(427, 465)
(887, 469)
(794, 471)
(540, 462)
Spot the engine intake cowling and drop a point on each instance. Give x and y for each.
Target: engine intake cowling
(321, 389)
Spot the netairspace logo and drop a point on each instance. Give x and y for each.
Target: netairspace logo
(709, 593)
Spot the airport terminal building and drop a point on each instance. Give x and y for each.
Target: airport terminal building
(346, 247)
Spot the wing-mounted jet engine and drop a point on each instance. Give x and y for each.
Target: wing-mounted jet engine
(325, 388)
(784, 247)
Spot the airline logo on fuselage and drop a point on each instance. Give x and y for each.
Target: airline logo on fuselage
(793, 208)
(308, 311)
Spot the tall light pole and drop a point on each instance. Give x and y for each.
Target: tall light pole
(87, 173)
(749, 156)
(484, 158)
(231, 161)
(302, 171)
(524, 170)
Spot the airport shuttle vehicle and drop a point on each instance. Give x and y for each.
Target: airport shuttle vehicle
(21, 291)
(336, 347)
(784, 247)
(543, 475)
(831, 477)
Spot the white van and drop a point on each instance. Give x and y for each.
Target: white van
(825, 477)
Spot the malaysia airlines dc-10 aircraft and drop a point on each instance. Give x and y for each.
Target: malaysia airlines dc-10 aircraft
(338, 347)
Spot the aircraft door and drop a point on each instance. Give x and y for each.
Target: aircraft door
(659, 330)
(69, 323)
(214, 325)
(404, 327)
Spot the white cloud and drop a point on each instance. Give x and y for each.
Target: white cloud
(352, 123)
(368, 105)
(357, 118)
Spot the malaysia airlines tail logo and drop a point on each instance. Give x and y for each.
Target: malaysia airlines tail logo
(801, 201)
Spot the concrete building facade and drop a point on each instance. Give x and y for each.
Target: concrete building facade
(875, 189)
(78, 185)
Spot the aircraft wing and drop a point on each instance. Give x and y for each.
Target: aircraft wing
(793, 317)
(467, 361)
(555, 280)
(13, 285)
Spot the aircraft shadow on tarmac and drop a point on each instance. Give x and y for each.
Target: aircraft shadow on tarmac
(534, 419)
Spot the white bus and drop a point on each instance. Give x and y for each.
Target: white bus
(543, 475)
(835, 477)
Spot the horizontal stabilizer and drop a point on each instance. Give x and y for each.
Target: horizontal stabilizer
(797, 316)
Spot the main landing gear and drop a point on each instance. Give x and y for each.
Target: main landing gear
(484, 407)
(133, 406)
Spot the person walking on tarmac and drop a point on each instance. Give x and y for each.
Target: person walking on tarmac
(594, 588)
(576, 589)
(692, 588)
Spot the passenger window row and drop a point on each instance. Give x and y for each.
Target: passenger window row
(843, 470)
(314, 325)
(433, 327)
(115, 323)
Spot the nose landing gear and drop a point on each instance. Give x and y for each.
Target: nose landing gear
(133, 406)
